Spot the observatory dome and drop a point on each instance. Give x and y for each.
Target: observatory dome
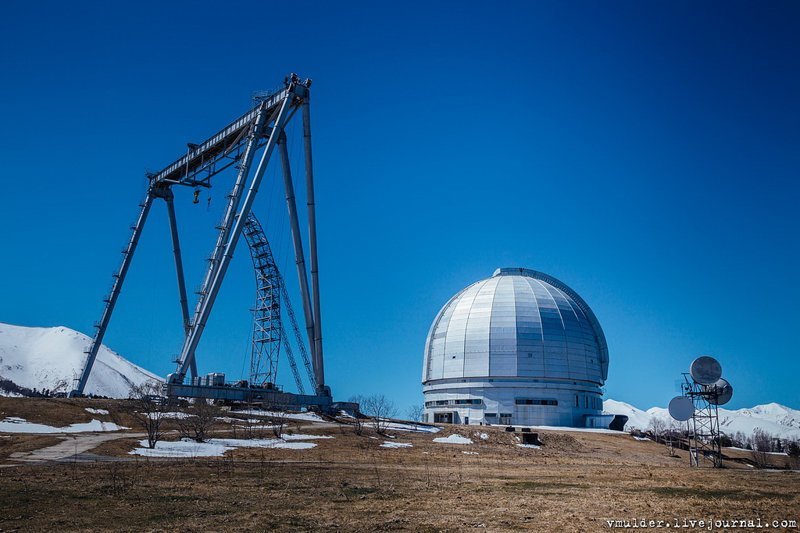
(520, 347)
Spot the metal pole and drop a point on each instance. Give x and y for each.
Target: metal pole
(111, 301)
(233, 202)
(312, 245)
(187, 355)
(176, 251)
(300, 261)
(230, 212)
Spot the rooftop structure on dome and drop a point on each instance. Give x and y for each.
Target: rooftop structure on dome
(518, 348)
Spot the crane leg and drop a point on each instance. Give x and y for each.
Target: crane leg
(111, 300)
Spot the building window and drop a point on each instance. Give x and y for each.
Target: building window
(473, 401)
(534, 401)
(468, 401)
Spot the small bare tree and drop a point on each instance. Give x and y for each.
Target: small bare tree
(671, 435)
(739, 439)
(380, 409)
(762, 444)
(147, 406)
(793, 451)
(278, 418)
(358, 424)
(358, 417)
(252, 427)
(416, 412)
(656, 428)
(202, 417)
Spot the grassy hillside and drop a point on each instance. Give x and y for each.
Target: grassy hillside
(575, 481)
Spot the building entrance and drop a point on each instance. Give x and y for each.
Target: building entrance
(443, 418)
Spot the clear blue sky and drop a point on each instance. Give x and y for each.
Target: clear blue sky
(645, 153)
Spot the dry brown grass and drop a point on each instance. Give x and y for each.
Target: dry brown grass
(573, 483)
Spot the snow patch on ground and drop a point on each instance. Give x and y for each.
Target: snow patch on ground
(300, 436)
(531, 446)
(20, 425)
(388, 444)
(263, 443)
(399, 426)
(96, 411)
(188, 448)
(453, 439)
(483, 436)
(470, 453)
(294, 445)
(175, 414)
(308, 417)
(640, 438)
(751, 451)
(181, 448)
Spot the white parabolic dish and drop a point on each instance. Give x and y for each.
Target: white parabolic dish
(681, 408)
(705, 370)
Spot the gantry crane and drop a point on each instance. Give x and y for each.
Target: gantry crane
(260, 130)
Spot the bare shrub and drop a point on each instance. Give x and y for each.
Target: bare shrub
(379, 408)
(253, 427)
(657, 427)
(762, 444)
(740, 440)
(672, 434)
(358, 419)
(416, 412)
(278, 418)
(147, 406)
(358, 424)
(200, 420)
(119, 480)
(793, 451)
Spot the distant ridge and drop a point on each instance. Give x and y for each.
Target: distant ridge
(773, 418)
(49, 358)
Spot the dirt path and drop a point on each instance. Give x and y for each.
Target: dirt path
(75, 445)
(72, 445)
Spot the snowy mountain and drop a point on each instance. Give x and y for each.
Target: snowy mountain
(773, 418)
(50, 358)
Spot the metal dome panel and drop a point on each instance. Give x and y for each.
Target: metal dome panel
(517, 323)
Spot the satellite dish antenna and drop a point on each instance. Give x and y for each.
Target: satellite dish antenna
(705, 370)
(681, 408)
(721, 390)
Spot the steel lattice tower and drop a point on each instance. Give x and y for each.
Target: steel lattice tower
(704, 443)
(267, 325)
(272, 300)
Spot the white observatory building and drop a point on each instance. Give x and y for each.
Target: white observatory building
(518, 348)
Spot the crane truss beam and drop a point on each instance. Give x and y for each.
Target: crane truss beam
(220, 151)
